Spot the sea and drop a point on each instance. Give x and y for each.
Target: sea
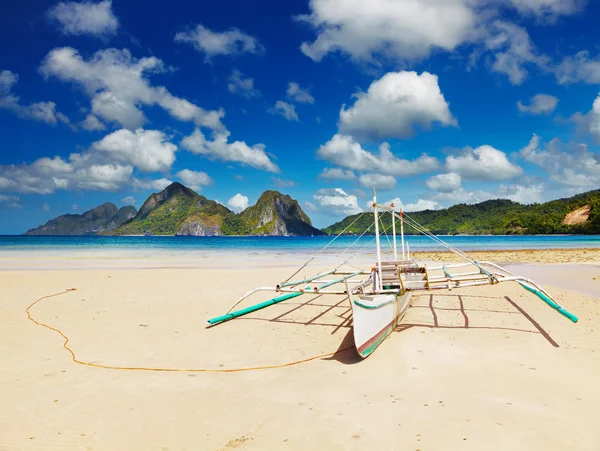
(287, 245)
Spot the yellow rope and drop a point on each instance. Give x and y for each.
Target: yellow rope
(168, 370)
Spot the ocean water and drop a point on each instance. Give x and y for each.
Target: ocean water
(285, 245)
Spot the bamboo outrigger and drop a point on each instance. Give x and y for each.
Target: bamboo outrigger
(381, 297)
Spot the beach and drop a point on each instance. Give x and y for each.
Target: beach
(489, 367)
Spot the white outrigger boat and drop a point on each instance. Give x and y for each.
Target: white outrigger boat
(380, 300)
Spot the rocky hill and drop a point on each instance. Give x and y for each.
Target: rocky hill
(277, 214)
(103, 218)
(178, 210)
(579, 214)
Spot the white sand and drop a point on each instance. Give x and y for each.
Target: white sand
(498, 384)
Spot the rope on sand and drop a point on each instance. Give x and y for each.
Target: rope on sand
(164, 370)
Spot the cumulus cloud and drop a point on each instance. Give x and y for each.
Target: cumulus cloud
(107, 165)
(237, 151)
(396, 106)
(344, 151)
(213, 43)
(539, 104)
(512, 51)
(337, 174)
(241, 85)
(118, 85)
(297, 94)
(336, 202)
(548, 10)
(92, 124)
(524, 194)
(87, 17)
(444, 182)
(569, 164)
(286, 110)
(482, 163)
(193, 179)
(129, 200)
(148, 150)
(39, 111)
(9, 201)
(155, 185)
(406, 30)
(579, 68)
(380, 181)
(46, 207)
(238, 203)
(79, 171)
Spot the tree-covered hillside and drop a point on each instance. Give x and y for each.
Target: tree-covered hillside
(496, 217)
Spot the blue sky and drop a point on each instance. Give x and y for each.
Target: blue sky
(433, 102)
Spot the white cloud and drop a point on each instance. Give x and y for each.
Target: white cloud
(548, 10)
(75, 207)
(194, 180)
(402, 30)
(80, 171)
(129, 200)
(213, 43)
(579, 68)
(513, 50)
(46, 207)
(444, 182)
(297, 94)
(242, 85)
(483, 163)
(155, 185)
(148, 150)
(568, 164)
(238, 203)
(39, 111)
(9, 201)
(421, 205)
(539, 104)
(117, 84)
(396, 106)
(87, 17)
(335, 201)
(344, 151)
(280, 183)
(337, 174)
(523, 194)
(517, 193)
(286, 110)
(379, 181)
(91, 123)
(238, 151)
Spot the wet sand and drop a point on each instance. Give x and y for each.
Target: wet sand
(488, 368)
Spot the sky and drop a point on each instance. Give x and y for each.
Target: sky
(432, 102)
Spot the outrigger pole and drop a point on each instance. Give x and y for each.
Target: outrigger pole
(379, 285)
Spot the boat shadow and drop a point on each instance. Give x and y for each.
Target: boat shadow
(466, 322)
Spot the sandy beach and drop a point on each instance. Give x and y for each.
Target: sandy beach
(469, 369)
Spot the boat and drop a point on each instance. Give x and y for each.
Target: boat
(381, 295)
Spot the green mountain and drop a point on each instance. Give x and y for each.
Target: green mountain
(103, 218)
(276, 214)
(579, 214)
(178, 210)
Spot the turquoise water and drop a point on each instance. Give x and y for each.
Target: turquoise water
(287, 244)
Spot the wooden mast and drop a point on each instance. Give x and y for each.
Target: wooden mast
(376, 217)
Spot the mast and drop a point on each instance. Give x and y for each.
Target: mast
(394, 233)
(402, 233)
(376, 217)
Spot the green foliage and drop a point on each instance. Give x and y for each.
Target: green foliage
(494, 217)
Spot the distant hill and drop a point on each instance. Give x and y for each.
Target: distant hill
(277, 214)
(178, 210)
(103, 218)
(579, 214)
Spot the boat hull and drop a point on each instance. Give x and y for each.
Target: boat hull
(375, 317)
